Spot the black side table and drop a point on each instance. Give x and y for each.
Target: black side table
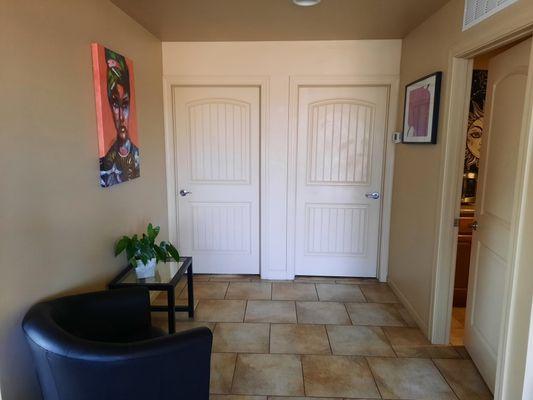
(166, 278)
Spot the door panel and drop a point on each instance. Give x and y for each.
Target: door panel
(341, 132)
(217, 147)
(489, 266)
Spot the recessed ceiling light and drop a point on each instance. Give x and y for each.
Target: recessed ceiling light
(306, 3)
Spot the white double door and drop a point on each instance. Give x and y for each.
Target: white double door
(341, 137)
(491, 243)
(216, 136)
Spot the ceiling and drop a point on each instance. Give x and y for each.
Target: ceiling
(242, 20)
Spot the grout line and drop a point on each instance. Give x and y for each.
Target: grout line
(444, 377)
(234, 373)
(373, 377)
(329, 340)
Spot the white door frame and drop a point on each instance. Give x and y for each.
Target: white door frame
(455, 128)
(262, 83)
(392, 83)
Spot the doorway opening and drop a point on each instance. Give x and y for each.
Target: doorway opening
(489, 198)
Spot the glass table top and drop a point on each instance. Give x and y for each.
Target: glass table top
(164, 272)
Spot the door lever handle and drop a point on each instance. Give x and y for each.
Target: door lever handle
(184, 192)
(373, 195)
(475, 225)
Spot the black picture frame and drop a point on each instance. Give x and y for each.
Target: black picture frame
(434, 82)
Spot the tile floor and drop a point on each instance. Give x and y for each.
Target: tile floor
(321, 339)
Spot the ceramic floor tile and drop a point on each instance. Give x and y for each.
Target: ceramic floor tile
(222, 369)
(374, 314)
(409, 378)
(300, 398)
(270, 311)
(428, 351)
(315, 312)
(403, 336)
(464, 379)
(409, 320)
(380, 293)
(220, 310)
(299, 339)
(236, 397)
(268, 374)
(234, 278)
(338, 376)
(241, 338)
(207, 290)
(336, 292)
(315, 279)
(188, 325)
(294, 291)
(357, 281)
(359, 340)
(249, 291)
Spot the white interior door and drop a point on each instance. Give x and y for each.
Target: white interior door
(489, 266)
(217, 159)
(341, 135)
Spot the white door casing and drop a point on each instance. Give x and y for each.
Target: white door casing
(341, 134)
(491, 244)
(216, 137)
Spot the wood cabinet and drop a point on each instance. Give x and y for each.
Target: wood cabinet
(464, 244)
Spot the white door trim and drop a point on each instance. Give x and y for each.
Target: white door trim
(392, 83)
(261, 82)
(460, 67)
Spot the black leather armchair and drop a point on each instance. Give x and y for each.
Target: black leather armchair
(102, 346)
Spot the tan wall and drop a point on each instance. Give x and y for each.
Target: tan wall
(418, 169)
(57, 226)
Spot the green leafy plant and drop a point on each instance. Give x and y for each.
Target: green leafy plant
(144, 248)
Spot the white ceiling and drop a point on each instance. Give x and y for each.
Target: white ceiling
(241, 20)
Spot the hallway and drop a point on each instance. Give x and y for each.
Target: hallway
(320, 338)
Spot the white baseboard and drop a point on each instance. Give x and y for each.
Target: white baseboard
(409, 307)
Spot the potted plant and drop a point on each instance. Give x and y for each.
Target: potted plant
(144, 254)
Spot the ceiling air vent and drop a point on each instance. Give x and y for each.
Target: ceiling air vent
(478, 10)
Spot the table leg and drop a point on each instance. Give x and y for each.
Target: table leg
(190, 291)
(171, 311)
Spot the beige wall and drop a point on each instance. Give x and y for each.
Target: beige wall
(57, 226)
(418, 169)
(278, 62)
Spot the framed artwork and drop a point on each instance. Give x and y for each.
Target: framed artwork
(118, 141)
(421, 110)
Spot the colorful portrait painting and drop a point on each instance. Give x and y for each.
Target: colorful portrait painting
(118, 140)
(421, 114)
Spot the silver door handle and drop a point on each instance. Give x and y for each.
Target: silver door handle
(184, 192)
(475, 225)
(373, 195)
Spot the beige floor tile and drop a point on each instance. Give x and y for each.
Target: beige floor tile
(249, 291)
(338, 376)
(220, 310)
(270, 311)
(201, 277)
(336, 292)
(237, 397)
(429, 351)
(301, 398)
(409, 378)
(299, 339)
(315, 279)
(188, 325)
(374, 314)
(315, 312)
(222, 369)
(409, 320)
(234, 278)
(403, 336)
(207, 291)
(380, 293)
(461, 350)
(241, 338)
(294, 291)
(268, 374)
(464, 379)
(357, 281)
(359, 340)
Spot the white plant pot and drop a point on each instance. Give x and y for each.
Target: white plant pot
(145, 271)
